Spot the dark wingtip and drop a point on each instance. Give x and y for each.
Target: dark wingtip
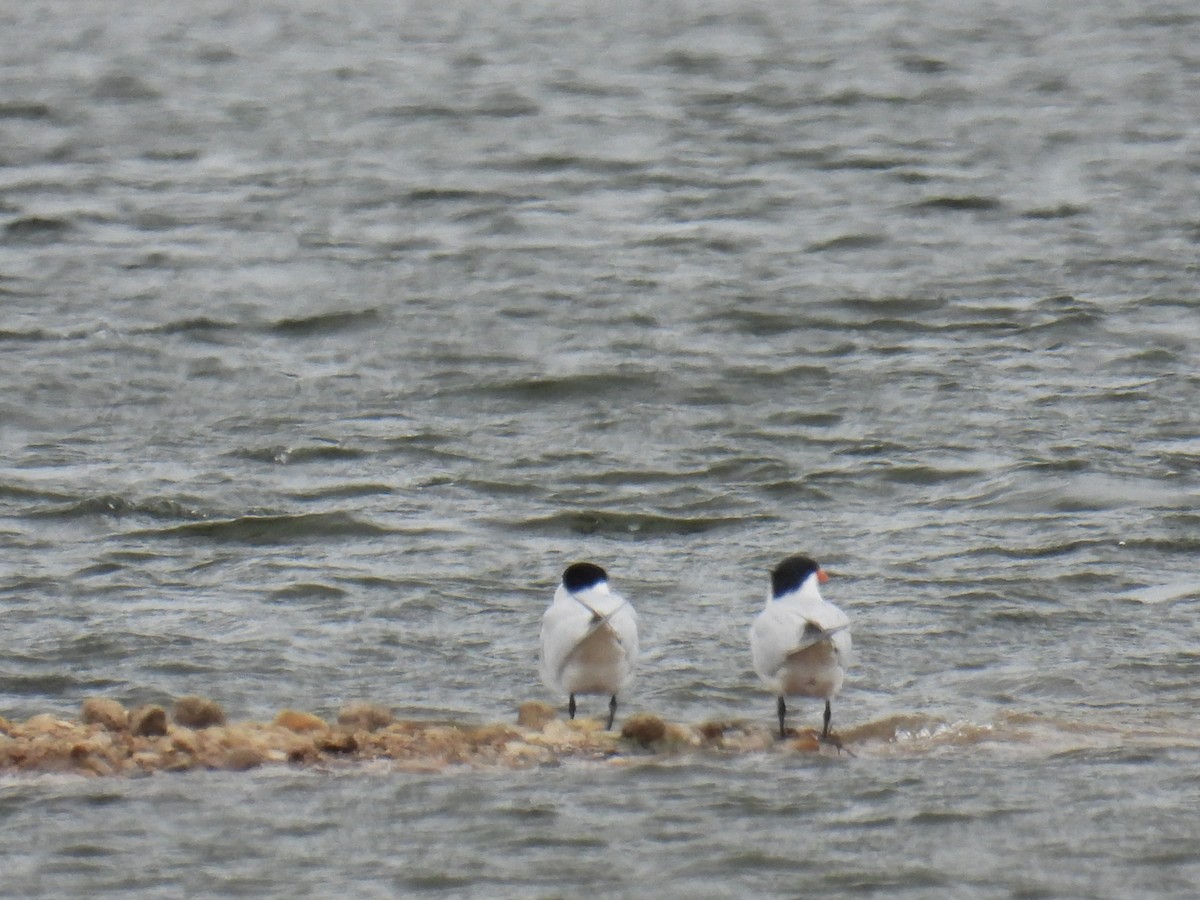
(791, 573)
(582, 575)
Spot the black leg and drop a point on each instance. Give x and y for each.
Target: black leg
(612, 711)
(782, 708)
(828, 716)
(571, 707)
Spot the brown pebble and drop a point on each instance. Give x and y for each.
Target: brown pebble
(521, 754)
(98, 766)
(293, 720)
(495, 735)
(644, 728)
(103, 711)
(363, 716)
(45, 723)
(147, 760)
(535, 715)
(681, 736)
(198, 712)
(746, 738)
(148, 721)
(338, 742)
(184, 740)
(241, 759)
(586, 726)
(806, 741)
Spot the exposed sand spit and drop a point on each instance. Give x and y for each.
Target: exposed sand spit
(108, 739)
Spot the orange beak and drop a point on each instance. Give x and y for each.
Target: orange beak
(822, 576)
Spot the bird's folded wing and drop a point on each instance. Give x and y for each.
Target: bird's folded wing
(814, 634)
(599, 620)
(779, 633)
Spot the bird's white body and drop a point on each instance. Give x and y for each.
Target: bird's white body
(589, 641)
(801, 644)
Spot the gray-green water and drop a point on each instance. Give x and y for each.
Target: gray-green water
(329, 336)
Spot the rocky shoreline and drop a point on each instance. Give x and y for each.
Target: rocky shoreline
(109, 740)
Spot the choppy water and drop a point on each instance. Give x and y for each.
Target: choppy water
(330, 336)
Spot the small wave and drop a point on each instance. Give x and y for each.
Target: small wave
(51, 685)
(1165, 593)
(420, 111)
(302, 326)
(749, 470)
(17, 109)
(848, 242)
(118, 507)
(343, 491)
(1049, 551)
(1162, 19)
(743, 470)
(873, 448)
(325, 323)
(895, 305)
(500, 105)
(1064, 326)
(20, 492)
(283, 456)
(966, 203)
(1090, 491)
(125, 87)
(920, 64)
(791, 490)
(1062, 211)
(925, 475)
(762, 324)
(308, 591)
(506, 104)
(851, 97)
(1061, 304)
(553, 163)
(864, 163)
(568, 387)
(589, 522)
(37, 230)
(1181, 461)
(801, 418)
(1011, 732)
(172, 155)
(200, 325)
(277, 529)
(1067, 465)
(691, 62)
(462, 195)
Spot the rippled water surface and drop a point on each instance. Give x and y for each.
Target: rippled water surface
(329, 336)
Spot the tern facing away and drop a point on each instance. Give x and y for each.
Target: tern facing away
(800, 643)
(589, 638)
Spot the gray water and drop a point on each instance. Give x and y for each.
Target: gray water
(330, 336)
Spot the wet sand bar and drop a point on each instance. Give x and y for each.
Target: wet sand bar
(108, 739)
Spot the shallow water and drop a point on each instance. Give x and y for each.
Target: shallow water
(329, 339)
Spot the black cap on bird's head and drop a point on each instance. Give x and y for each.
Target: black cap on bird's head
(793, 572)
(583, 575)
